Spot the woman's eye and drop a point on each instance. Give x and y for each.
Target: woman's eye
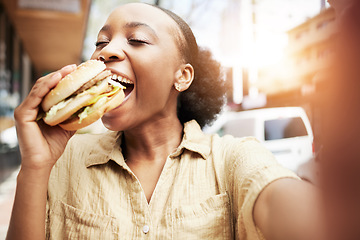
(100, 44)
(137, 41)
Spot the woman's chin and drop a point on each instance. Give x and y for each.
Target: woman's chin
(114, 121)
(110, 125)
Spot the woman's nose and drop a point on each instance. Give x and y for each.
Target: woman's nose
(111, 52)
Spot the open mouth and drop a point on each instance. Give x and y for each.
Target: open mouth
(127, 83)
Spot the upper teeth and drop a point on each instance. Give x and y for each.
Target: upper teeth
(121, 79)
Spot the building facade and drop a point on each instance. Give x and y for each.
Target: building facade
(308, 53)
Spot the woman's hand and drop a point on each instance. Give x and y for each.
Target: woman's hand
(40, 144)
(40, 147)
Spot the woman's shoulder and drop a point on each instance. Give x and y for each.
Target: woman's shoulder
(246, 154)
(235, 145)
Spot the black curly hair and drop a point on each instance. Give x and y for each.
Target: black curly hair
(205, 98)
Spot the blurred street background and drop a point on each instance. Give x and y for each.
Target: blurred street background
(275, 53)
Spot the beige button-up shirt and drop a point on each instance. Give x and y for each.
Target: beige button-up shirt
(207, 190)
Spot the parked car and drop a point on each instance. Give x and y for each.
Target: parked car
(285, 131)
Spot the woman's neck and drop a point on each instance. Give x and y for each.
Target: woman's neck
(146, 149)
(152, 142)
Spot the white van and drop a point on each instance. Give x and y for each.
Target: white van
(285, 131)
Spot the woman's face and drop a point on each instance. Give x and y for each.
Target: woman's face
(138, 42)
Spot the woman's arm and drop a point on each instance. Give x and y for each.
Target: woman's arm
(290, 209)
(40, 147)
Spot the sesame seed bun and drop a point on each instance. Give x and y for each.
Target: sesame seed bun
(72, 82)
(82, 97)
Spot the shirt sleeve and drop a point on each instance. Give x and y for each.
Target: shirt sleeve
(249, 168)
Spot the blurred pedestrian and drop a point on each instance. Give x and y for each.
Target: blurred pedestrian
(340, 165)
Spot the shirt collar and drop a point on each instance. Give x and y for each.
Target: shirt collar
(194, 140)
(108, 148)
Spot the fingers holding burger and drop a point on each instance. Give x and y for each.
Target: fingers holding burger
(82, 97)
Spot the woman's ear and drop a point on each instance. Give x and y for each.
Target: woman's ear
(184, 77)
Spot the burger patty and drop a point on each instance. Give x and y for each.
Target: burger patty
(93, 81)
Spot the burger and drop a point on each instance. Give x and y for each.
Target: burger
(82, 97)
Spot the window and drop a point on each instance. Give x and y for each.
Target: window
(284, 128)
(324, 53)
(323, 24)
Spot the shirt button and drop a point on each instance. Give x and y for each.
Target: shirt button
(146, 229)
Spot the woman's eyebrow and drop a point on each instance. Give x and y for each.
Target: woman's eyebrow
(105, 28)
(140, 24)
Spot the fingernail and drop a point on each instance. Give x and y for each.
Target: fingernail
(56, 76)
(69, 67)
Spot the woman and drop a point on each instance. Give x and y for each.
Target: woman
(155, 175)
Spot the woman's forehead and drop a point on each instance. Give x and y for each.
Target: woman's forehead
(142, 13)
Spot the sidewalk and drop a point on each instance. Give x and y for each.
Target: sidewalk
(7, 193)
